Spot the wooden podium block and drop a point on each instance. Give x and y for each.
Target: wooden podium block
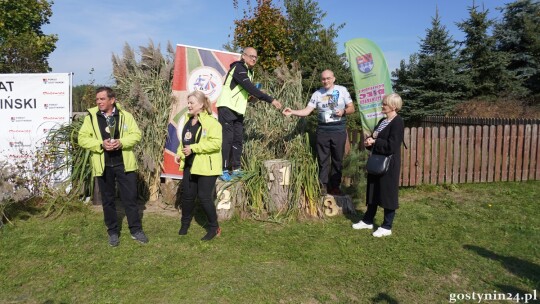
(225, 203)
(279, 173)
(338, 205)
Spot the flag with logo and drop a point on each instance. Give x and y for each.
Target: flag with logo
(194, 69)
(371, 79)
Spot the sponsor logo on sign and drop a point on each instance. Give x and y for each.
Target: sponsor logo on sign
(371, 94)
(20, 119)
(206, 79)
(53, 106)
(18, 144)
(52, 80)
(365, 63)
(19, 156)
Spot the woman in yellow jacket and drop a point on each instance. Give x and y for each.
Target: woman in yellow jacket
(199, 154)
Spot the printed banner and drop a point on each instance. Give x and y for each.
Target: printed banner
(371, 80)
(194, 69)
(30, 106)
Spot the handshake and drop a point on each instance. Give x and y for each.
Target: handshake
(277, 105)
(287, 111)
(307, 110)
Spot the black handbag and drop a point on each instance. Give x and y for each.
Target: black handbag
(378, 164)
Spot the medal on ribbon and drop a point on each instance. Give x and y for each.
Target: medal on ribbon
(188, 135)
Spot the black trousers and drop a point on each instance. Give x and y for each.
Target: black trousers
(389, 215)
(232, 125)
(330, 152)
(127, 186)
(205, 188)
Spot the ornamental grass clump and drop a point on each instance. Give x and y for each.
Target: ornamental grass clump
(270, 135)
(144, 88)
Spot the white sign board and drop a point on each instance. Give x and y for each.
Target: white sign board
(30, 106)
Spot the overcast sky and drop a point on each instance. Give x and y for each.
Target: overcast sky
(91, 31)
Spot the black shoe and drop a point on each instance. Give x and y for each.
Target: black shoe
(183, 230)
(140, 237)
(211, 234)
(114, 239)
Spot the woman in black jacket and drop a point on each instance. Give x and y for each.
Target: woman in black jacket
(383, 190)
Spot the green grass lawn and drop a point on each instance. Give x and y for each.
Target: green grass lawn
(481, 238)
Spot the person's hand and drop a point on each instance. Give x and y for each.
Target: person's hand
(276, 104)
(177, 159)
(186, 150)
(109, 145)
(287, 112)
(340, 112)
(106, 145)
(116, 144)
(369, 142)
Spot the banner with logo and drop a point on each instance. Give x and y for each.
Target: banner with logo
(30, 106)
(371, 79)
(194, 69)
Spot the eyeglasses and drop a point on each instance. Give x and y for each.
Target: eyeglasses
(327, 78)
(254, 57)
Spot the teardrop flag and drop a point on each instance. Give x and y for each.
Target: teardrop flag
(371, 80)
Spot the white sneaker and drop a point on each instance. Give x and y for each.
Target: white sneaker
(382, 232)
(362, 225)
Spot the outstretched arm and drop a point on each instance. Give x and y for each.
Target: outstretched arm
(241, 77)
(302, 113)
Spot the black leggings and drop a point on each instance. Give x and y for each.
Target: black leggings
(232, 125)
(204, 187)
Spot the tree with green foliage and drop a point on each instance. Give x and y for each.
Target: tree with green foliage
(405, 82)
(24, 48)
(433, 84)
(299, 35)
(266, 30)
(518, 35)
(314, 45)
(83, 97)
(484, 67)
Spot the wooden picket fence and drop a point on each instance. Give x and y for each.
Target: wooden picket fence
(437, 121)
(469, 154)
